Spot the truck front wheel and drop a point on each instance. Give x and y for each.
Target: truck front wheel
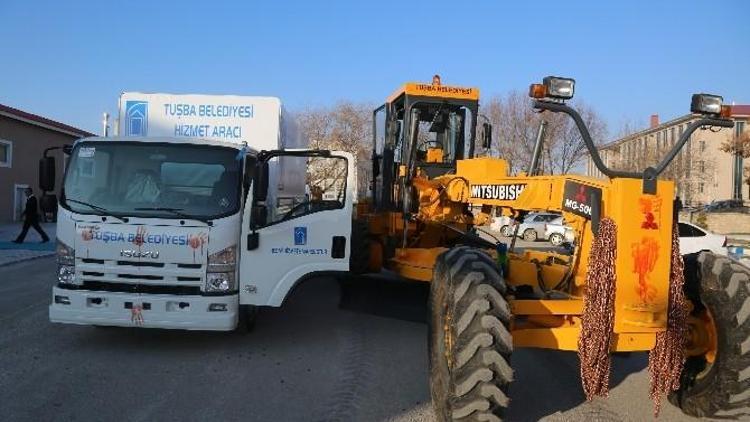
(716, 375)
(469, 337)
(247, 316)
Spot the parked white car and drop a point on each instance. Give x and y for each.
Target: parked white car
(558, 233)
(695, 239)
(502, 224)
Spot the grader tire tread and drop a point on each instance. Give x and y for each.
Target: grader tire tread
(724, 286)
(359, 260)
(470, 377)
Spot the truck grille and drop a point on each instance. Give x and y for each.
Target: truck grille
(140, 276)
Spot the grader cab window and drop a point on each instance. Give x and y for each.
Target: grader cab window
(443, 133)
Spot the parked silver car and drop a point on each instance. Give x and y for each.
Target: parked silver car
(533, 226)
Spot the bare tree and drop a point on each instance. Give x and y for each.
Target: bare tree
(739, 146)
(516, 124)
(688, 171)
(628, 127)
(345, 126)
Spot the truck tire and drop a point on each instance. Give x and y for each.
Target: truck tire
(359, 258)
(248, 314)
(721, 287)
(529, 235)
(469, 338)
(556, 239)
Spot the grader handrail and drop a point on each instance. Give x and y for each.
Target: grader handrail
(649, 173)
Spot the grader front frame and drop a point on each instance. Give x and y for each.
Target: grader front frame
(427, 174)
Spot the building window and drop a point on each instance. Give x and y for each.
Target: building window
(6, 153)
(700, 187)
(702, 166)
(739, 127)
(671, 136)
(703, 146)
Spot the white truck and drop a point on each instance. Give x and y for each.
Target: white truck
(196, 215)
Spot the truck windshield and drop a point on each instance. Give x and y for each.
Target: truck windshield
(161, 180)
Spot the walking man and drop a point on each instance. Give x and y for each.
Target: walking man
(31, 218)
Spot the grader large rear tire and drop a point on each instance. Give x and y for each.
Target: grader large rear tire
(470, 343)
(721, 287)
(359, 259)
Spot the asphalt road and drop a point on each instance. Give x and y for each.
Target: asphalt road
(319, 358)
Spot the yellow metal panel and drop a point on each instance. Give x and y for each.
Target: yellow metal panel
(566, 338)
(416, 263)
(482, 169)
(644, 246)
(546, 307)
(434, 155)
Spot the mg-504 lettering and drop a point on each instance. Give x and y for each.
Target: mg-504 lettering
(576, 206)
(127, 253)
(499, 192)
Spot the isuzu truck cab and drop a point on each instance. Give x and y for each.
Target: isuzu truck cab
(192, 233)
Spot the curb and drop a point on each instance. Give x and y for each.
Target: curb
(28, 258)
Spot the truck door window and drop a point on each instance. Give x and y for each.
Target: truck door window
(307, 185)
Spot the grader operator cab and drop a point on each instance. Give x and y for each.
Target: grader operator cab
(623, 289)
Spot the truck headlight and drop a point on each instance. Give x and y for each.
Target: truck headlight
(65, 254)
(66, 274)
(220, 282)
(224, 260)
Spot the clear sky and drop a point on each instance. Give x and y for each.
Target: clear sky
(69, 60)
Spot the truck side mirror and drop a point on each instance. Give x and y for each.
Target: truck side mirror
(259, 215)
(260, 189)
(251, 164)
(47, 174)
(487, 136)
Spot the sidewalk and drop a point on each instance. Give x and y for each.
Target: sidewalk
(11, 253)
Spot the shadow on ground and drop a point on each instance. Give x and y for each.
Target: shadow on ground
(546, 381)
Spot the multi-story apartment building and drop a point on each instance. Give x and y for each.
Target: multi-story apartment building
(702, 171)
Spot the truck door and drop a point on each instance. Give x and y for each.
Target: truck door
(297, 222)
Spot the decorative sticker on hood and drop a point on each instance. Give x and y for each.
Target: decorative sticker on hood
(197, 241)
(142, 237)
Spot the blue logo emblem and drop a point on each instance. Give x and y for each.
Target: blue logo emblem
(136, 118)
(300, 235)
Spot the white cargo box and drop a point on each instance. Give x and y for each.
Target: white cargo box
(261, 122)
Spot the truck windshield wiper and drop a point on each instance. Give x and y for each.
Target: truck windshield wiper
(176, 211)
(101, 210)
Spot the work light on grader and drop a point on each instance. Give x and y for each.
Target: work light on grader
(624, 288)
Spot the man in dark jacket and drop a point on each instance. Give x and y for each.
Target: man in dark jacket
(31, 218)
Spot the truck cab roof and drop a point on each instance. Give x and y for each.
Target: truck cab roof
(167, 139)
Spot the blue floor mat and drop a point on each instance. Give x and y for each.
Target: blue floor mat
(33, 245)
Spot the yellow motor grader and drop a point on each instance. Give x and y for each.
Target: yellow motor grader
(624, 288)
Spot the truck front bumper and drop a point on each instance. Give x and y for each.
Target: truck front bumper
(85, 307)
